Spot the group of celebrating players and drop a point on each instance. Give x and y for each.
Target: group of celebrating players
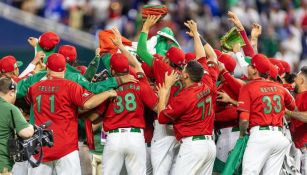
(166, 112)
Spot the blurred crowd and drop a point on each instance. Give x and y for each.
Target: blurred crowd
(284, 22)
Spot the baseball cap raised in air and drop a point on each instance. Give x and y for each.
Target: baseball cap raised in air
(48, 40)
(9, 64)
(119, 63)
(56, 62)
(261, 63)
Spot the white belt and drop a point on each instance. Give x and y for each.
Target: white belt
(265, 128)
(126, 130)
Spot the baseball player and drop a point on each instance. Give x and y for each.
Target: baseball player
(226, 117)
(192, 119)
(299, 128)
(163, 142)
(262, 105)
(124, 122)
(53, 100)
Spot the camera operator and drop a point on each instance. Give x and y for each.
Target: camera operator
(9, 114)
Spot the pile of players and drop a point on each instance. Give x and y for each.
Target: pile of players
(165, 111)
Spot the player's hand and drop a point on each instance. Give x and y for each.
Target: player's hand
(117, 41)
(256, 30)
(235, 20)
(38, 57)
(112, 93)
(236, 47)
(97, 52)
(160, 89)
(192, 25)
(223, 97)
(221, 66)
(171, 79)
(127, 78)
(150, 21)
(32, 41)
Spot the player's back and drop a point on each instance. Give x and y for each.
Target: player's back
(57, 100)
(267, 102)
(197, 119)
(127, 110)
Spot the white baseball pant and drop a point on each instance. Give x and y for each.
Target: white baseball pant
(195, 157)
(163, 149)
(148, 161)
(265, 151)
(96, 164)
(124, 146)
(67, 165)
(226, 142)
(20, 168)
(304, 161)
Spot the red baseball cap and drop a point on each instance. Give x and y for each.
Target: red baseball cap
(218, 53)
(119, 63)
(279, 65)
(229, 62)
(9, 64)
(69, 52)
(273, 71)
(261, 63)
(190, 56)
(48, 40)
(176, 55)
(82, 69)
(286, 66)
(56, 62)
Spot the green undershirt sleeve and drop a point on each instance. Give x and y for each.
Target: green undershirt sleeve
(92, 68)
(142, 49)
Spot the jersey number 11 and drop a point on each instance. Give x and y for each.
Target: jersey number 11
(39, 103)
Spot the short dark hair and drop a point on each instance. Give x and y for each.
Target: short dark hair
(304, 70)
(289, 77)
(6, 84)
(264, 75)
(195, 70)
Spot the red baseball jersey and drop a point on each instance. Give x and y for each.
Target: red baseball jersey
(298, 128)
(265, 101)
(192, 110)
(128, 108)
(58, 99)
(159, 69)
(226, 114)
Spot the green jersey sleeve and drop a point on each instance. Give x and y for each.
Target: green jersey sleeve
(97, 87)
(24, 84)
(47, 53)
(92, 68)
(142, 49)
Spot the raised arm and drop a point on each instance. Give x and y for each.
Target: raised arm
(131, 59)
(198, 47)
(93, 66)
(211, 55)
(256, 32)
(142, 43)
(248, 49)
